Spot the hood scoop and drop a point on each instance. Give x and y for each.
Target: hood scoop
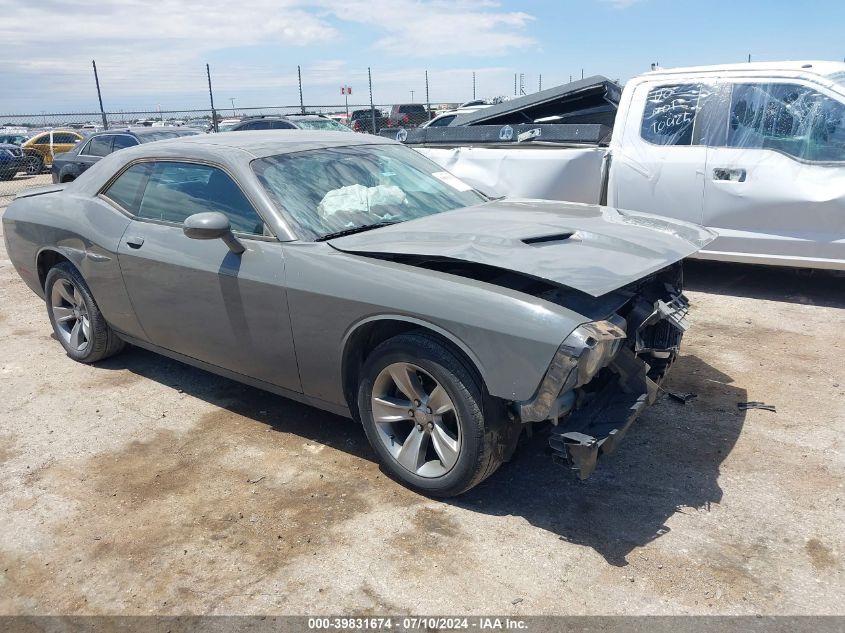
(547, 239)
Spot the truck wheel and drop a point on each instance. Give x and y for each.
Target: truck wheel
(422, 410)
(77, 322)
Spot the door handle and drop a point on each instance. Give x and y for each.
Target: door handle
(134, 242)
(729, 175)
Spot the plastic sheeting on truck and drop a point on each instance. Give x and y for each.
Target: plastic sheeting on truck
(552, 173)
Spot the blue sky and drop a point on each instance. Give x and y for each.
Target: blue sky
(152, 54)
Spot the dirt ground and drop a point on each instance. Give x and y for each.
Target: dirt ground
(141, 486)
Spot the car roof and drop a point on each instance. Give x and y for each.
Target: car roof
(142, 131)
(809, 66)
(262, 143)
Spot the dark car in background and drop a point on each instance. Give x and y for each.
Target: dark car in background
(407, 115)
(289, 122)
(69, 165)
(12, 160)
(362, 121)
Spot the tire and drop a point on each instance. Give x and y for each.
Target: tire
(76, 319)
(34, 165)
(435, 471)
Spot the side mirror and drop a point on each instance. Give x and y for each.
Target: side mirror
(211, 226)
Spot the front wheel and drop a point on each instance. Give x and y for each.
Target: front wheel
(423, 412)
(77, 322)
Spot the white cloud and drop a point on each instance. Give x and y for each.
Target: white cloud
(438, 27)
(149, 52)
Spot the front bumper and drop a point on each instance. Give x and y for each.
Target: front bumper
(590, 419)
(12, 164)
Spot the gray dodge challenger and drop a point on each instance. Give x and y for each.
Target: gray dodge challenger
(351, 273)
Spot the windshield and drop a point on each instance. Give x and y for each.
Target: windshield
(325, 191)
(14, 139)
(322, 124)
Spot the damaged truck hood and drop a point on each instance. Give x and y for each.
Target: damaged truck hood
(587, 247)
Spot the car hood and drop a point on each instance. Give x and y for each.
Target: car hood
(587, 247)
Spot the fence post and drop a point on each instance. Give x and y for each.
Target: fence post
(372, 108)
(299, 75)
(211, 97)
(427, 100)
(99, 96)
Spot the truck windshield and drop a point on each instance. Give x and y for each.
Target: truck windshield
(341, 189)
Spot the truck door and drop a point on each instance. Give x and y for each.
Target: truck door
(658, 160)
(775, 181)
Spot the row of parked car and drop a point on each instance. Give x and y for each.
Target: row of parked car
(69, 152)
(32, 151)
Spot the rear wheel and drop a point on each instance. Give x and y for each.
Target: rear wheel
(423, 411)
(34, 165)
(77, 322)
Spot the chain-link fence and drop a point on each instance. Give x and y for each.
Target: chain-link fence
(30, 143)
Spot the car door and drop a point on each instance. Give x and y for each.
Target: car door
(658, 163)
(64, 142)
(775, 185)
(196, 297)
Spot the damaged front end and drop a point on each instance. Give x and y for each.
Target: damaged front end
(607, 371)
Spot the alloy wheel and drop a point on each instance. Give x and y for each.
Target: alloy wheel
(70, 314)
(416, 420)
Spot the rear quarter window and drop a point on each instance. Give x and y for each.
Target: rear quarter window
(127, 190)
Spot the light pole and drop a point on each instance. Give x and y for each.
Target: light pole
(232, 99)
(412, 96)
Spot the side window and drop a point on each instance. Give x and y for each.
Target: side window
(123, 140)
(279, 125)
(64, 138)
(442, 121)
(796, 120)
(99, 145)
(670, 113)
(43, 140)
(178, 190)
(129, 186)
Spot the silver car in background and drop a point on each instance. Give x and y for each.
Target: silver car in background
(351, 273)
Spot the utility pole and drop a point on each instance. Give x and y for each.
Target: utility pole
(473, 85)
(749, 58)
(427, 100)
(211, 98)
(372, 109)
(100, 96)
(299, 75)
(540, 83)
(582, 73)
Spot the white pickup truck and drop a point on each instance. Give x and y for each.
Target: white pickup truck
(754, 151)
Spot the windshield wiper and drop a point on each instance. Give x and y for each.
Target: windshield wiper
(353, 230)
